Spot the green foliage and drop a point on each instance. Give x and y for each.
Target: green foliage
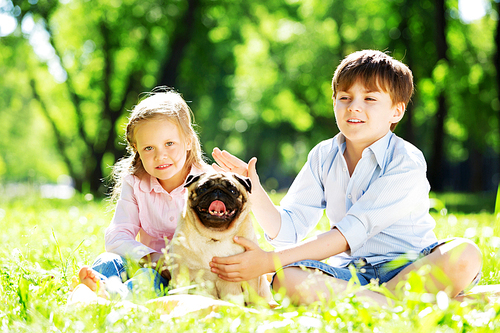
(48, 240)
(257, 75)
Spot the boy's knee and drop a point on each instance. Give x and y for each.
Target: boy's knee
(465, 256)
(283, 278)
(472, 254)
(467, 250)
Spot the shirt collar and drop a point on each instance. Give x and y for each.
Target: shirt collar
(340, 140)
(378, 148)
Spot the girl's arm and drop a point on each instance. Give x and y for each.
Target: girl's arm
(120, 236)
(262, 206)
(255, 262)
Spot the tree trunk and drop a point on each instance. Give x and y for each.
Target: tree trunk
(497, 67)
(436, 171)
(407, 45)
(476, 172)
(181, 36)
(60, 142)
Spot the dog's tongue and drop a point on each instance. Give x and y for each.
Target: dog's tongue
(217, 207)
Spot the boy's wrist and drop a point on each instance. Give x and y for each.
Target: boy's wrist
(273, 262)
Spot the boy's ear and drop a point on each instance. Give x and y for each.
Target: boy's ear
(399, 111)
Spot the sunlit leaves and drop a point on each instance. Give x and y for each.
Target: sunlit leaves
(257, 74)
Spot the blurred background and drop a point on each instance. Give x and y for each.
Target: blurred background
(256, 74)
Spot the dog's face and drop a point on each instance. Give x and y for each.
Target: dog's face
(217, 199)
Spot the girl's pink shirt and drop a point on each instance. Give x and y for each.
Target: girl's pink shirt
(145, 208)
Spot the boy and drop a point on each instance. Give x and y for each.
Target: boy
(374, 188)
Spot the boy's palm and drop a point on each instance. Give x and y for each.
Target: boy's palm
(228, 162)
(244, 266)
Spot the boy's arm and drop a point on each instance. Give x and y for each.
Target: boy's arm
(400, 195)
(263, 208)
(300, 209)
(255, 262)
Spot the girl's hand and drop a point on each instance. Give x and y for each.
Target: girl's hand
(157, 262)
(250, 264)
(228, 162)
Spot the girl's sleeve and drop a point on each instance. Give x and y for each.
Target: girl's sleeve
(304, 203)
(120, 236)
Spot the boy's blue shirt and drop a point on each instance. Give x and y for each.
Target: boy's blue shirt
(382, 209)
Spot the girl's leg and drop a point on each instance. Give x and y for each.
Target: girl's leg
(144, 279)
(106, 276)
(111, 264)
(453, 266)
(304, 286)
(89, 278)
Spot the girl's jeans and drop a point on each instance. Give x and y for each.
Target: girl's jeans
(112, 270)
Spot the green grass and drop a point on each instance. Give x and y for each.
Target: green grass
(45, 241)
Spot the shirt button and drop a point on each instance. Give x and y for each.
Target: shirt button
(171, 218)
(349, 196)
(170, 198)
(345, 169)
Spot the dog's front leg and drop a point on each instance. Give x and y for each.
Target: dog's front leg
(230, 291)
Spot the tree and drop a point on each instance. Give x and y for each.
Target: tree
(436, 169)
(257, 76)
(496, 62)
(106, 72)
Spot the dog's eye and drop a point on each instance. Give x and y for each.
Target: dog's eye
(202, 190)
(233, 191)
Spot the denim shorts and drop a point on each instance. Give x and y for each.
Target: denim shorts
(112, 269)
(365, 272)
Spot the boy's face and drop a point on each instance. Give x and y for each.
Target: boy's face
(365, 116)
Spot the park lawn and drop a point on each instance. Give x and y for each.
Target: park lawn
(46, 240)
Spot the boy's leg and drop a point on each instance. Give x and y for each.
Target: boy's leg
(454, 265)
(305, 286)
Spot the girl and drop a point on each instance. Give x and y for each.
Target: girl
(163, 150)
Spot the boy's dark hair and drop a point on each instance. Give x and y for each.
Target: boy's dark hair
(375, 70)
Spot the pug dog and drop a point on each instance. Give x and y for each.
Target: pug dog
(217, 209)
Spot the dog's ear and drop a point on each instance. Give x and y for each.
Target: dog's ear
(191, 179)
(245, 181)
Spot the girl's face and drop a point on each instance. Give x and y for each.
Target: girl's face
(163, 151)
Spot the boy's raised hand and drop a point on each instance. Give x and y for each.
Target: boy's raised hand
(228, 162)
(263, 207)
(250, 264)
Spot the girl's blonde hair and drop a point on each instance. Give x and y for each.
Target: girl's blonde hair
(163, 103)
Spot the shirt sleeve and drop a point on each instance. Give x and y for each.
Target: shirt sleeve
(304, 203)
(399, 191)
(120, 236)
